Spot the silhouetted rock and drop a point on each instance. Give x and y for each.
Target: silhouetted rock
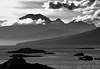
(21, 55)
(79, 54)
(20, 63)
(49, 53)
(14, 63)
(86, 58)
(90, 37)
(96, 58)
(27, 50)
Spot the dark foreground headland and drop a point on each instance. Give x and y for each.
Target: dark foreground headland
(20, 63)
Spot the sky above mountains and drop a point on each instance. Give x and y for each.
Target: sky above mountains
(80, 10)
(17, 8)
(90, 9)
(85, 11)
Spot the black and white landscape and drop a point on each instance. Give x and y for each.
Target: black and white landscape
(50, 34)
(51, 29)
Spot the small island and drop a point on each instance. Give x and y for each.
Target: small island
(86, 58)
(22, 55)
(27, 50)
(79, 54)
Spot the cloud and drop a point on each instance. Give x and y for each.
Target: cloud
(12, 5)
(60, 5)
(30, 4)
(68, 4)
(8, 22)
(90, 9)
(30, 21)
(55, 5)
(40, 21)
(92, 13)
(27, 21)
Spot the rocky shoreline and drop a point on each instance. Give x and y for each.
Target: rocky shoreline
(20, 63)
(17, 60)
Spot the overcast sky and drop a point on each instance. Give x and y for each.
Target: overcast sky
(18, 8)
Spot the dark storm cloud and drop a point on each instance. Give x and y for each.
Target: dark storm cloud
(58, 5)
(68, 4)
(90, 9)
(55, 6)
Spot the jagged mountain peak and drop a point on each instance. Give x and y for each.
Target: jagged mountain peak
(59, 20)
(36, 17)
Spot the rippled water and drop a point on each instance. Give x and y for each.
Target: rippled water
(63, 59)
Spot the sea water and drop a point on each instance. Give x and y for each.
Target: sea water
(62, 59)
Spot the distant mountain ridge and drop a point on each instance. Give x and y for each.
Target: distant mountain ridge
(40, 16)
(35, 17)
(57, 21)
(87, 38)
(52, 29)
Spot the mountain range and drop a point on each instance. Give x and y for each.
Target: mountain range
(36, 17)
(52, 29)
(87, 38)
